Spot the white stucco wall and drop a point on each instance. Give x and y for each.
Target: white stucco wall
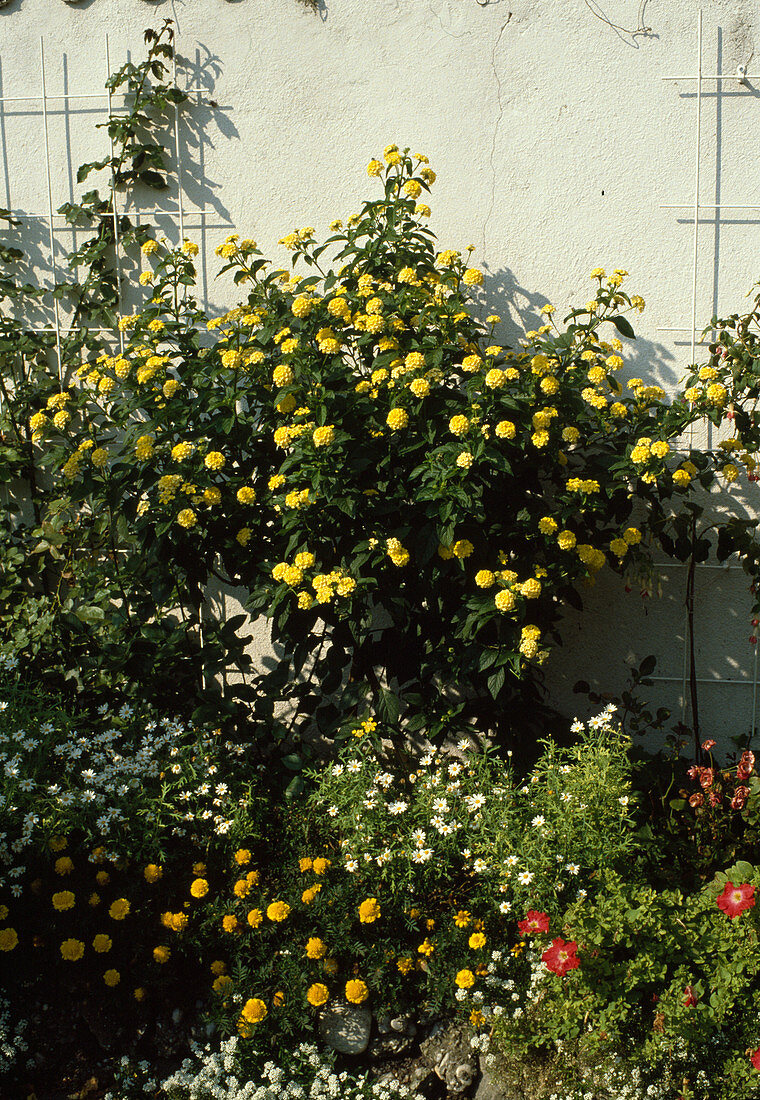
(555, 139)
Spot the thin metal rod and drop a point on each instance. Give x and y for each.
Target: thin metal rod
(699, 679)
(179, 155)
(696, 186)
(71, 95)
(116, 239)
(754, 693)
(718, 76)
(50, 212)
(706, 206)
(195, 211)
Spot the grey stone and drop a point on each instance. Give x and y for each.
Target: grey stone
(389, 1046)
(449, 1052)
(345, 1027)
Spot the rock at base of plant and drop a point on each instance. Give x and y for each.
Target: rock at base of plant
(449, 1052)
(345, 1027)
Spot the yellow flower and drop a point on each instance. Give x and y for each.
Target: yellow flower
(472, 277)
(317, 994)
(426, 948)
(199, 888)
(139, 994)
(64, 899)
(465, 979)
(242, 856)
(464, 460)
(420, 387)
(505, 429)
(253, 1011)
(405, 965)
(241, 888)
(278, 911)
(412, 189)
(681, 478)
(619, 547)
(304, 864)
(112, 978)
(730, 472)
(221, 983)
(254, 918)
(356, 991)
(315, 948)
(72, 950)
(459, 424)
(149, 247)
(218, 967)
(320, 865)
(308, 896)
(397, 419)
(324, 435)
(374, 168)
(495, 378)
(187, 518)
(119, 909)
(484, 578)
(161, 953)
(189, 248)
(214, 460)
(230, 923)
(4, 911)
(476, 940)
(462, 548)
(369, 911)
(531, 589)
(632, 535)
(462, 918)
(505, 600)
(9, 939)
(102, 943)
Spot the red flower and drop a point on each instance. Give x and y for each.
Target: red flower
(735, 899)
(689, 996)
(741, 794)
(707, 745)
(755, 1059)
(561, 957)
(534, 922)
(707, 777)
(696, 799)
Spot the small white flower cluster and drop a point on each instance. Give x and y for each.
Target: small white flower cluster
(12, 1037)
(56, 778)
(219, 1074)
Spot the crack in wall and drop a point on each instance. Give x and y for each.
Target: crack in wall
(492, 154)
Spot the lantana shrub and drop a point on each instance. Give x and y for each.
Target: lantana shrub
(411, 502)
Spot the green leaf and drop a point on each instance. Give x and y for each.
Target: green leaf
(293, 762)
(623, 325)
(90, 614)
(389, 706)
(496, 682)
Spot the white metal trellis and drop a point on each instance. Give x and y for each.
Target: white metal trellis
(697, 207)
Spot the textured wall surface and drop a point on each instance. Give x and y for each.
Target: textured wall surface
(555, 138)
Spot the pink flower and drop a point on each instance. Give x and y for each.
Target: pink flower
(707, 745)
(741, 794)
(735, 899)
(714, 798)
(706, 777)
(696, 799)
(561, 957)
(534, 922)
(745, 765)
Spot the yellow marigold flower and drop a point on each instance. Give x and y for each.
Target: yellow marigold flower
(505, 429)
(465, 979)
(369, 911)
(218, 967)
(253, 1011)
(462, 548)
(242, 856)
(477, 940)
(505, 600)
(405, 965)
(139, 994)
(278, 911)
(199, 888)
(397, 419)
(94, 899)
(315, 948)
(187, 518)
(72, 950)
(324, 435)
(230, 923)
(221, 983)
(426, 948)
(64, 899)
(356, 991)
(484, 578)
(9, 939)
(462, 918)
(102, 943)
(119, 909)
(161, 953)
(619, 547)
(241, 888)
(255, 918)
(304, 864)
(472, 277)
(112, 978)
(320, 865)
(317, 994)
(308, 896)
(58, 843)
(102, 878)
